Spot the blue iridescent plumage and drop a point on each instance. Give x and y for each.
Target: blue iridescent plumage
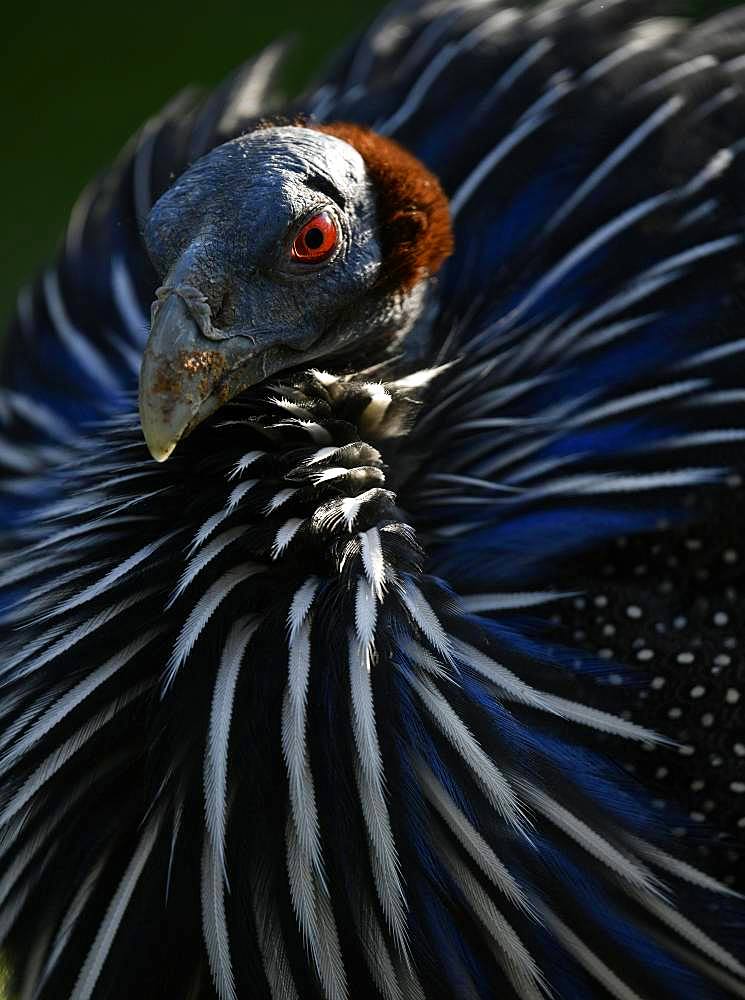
(387, 683)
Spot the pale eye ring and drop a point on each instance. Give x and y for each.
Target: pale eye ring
(316, 240)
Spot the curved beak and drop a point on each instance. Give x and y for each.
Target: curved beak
(184, 376)
(172, 377)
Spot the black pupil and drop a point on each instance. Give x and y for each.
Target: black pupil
(314, 238)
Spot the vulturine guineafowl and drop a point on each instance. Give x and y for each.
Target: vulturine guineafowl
(392, 647)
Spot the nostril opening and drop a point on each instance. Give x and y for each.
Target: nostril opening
(224, 311)
(210, 306)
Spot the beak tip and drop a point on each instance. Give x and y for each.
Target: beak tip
(161, 436)
(161, 456)
(160, 452)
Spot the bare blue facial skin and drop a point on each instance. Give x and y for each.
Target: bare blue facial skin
(234, 306)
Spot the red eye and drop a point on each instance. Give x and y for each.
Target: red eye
(316, 239)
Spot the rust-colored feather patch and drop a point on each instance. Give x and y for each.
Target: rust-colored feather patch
(413, 211)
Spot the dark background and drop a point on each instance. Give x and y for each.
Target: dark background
(78, 78)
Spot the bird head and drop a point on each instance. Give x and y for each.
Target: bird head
(285, 245)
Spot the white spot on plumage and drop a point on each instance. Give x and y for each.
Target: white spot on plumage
(639, 400)
(694, 254)
(40, 416)
(238, 493)
(609, 484)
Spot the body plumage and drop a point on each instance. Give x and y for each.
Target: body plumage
(406, 674)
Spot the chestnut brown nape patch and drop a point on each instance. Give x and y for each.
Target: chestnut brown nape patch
(414, 214)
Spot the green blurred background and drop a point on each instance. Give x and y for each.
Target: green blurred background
(79, 77)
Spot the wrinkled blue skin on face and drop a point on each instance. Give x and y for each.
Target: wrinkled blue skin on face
(235, 306)
(226, 227)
